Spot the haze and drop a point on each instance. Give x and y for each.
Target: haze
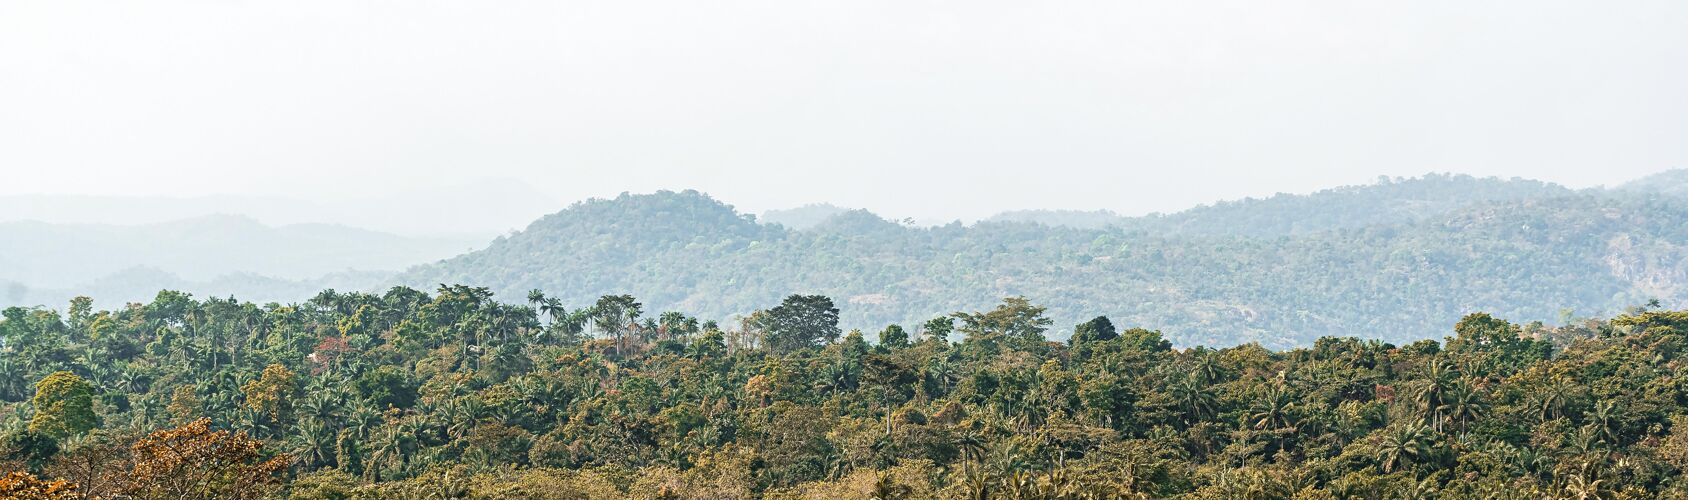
(932, 110)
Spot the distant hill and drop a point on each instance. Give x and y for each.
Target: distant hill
(1668, 183)
(142, 284)
(1388, 201)
(477, 211)
(1397, 260)
(41, 256)
(804, 217)
(1080, 219)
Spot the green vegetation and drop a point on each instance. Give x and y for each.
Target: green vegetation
(1398, 260)
(409, 394)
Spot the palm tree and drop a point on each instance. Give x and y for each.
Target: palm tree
(1207, 367)
(255, 423)
(363, 420)
(886, 488)
(971, 445)
(13, 379)
(1588, 439)
(462, 415)
(942, 373)
(1407, 443)
(1463, 405)
(554, 312)
(314, 443)
(1551, 400)
(1195, 399)
(390, 451)
(1431, 396)
(1605, 419)
(1273, 410)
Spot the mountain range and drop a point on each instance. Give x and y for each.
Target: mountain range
(1398, 259)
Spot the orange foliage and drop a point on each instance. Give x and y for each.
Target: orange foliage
(25, 486)
(193, 461)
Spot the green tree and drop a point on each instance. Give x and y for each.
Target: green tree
(64, 406)
(800, 322)
(617, 316)
(387, 386)
(1015, 320)
(1098, 329)
(893, 337)
(938, 329)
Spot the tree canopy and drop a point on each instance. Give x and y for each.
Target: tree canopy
(410, 393)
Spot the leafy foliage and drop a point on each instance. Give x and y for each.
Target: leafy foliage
(64, 406)
(453, 393)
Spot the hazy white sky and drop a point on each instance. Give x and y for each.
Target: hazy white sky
(932, 109)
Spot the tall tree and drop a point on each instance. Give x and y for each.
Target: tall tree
(617, 316)
(1016, 320)
(800, 321)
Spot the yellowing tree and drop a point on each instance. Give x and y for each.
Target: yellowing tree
(64, 406)
(25, 486)
(271, 393)
(193, 461)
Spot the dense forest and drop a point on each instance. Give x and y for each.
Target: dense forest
(1397, 260)
(451, 393)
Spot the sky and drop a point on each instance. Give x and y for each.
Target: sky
(936, 110)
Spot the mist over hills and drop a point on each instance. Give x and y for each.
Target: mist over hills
(218, 254)
(475, 211)
(1400, 259)
(804, 217)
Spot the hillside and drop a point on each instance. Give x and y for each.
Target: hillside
(1388, 201)
(1667, 183)
(1412, 257)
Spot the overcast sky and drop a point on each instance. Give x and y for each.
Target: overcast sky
(930, 109)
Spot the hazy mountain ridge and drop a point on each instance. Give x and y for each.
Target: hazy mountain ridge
(804, 217)
(1387, 201)
(1406, 269)
(142, 284)
(1080, 219)
(1668, 183)
(203, 248)
(218, 254)
(476, 211)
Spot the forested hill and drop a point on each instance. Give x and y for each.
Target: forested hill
(1389, 201)
(1396, 260)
